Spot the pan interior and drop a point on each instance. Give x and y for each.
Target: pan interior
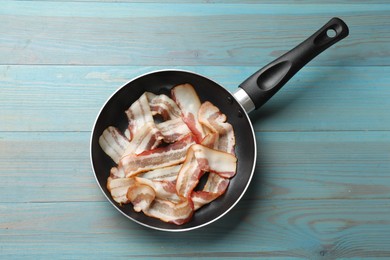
(161, 82)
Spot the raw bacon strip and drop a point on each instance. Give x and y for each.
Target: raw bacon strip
(190, 173)
(211, 140)
(164, 189)
(118, 188)
(173, 130)
(177, 213)
(224, 164)
(222, 134)
(117, 172)
(160, 157)
(139, 114)
(202, 159)
(113, 143)
(147, 137)
(214, 187)
(201, 198)
(141, 196)
(163, 105)
(215, 183)
(189, 104)
(163, 174)
(127, 133)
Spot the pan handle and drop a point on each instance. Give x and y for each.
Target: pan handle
(262, 85)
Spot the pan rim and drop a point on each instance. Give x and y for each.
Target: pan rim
(245, 114)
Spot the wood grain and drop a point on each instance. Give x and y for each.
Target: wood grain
(183, 34)
(295, 2)
(327, 229)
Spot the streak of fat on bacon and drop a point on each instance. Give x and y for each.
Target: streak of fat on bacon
(139, 114)
(189, 103)
(146, 138)
(113, 143)
(201, 159)
(173, 130)
(117, 172)
(164, 189)
(163, 105)
(162, 174)
(118, 188)
(211, 140)
(141, 196)
(169, 155)
(214, 187)
(127, 134)
(216, 183)
(167, 211)
(221, 136)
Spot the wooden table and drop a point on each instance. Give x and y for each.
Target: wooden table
(321, 187)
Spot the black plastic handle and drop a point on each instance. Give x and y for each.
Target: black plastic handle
(262, 85)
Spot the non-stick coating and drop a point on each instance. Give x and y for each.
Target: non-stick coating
(160, 82)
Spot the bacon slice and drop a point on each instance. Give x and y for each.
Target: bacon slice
(221, 136)
(146, 138)
(214, 187)
(224, 164)
(163, 174)
(189, 174)
(117, 172)
(163, 105)
(189, 104)
(160, 157)
(202, 159)
(177, 213)
(173, 130)
(216, 183)
(139, 114)
(127, 134)
(113, 143)
(211, 140)
(141, 196)
(118, 188)
(165, 190)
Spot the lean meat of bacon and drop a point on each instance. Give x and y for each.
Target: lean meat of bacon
(168, 145)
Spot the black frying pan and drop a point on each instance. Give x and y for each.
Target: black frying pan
(251, 94)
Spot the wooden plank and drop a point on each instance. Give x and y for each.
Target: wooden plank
(315, 165)
(55, 166)
(46, 166)
(184, 34)
(295, 2)
(68, 98)
(255, 228)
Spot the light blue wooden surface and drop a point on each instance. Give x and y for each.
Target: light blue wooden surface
(321, 188)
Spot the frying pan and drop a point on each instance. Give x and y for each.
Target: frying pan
(251, 94)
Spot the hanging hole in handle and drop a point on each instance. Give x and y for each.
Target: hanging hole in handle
(327, 35)
(331, 33)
